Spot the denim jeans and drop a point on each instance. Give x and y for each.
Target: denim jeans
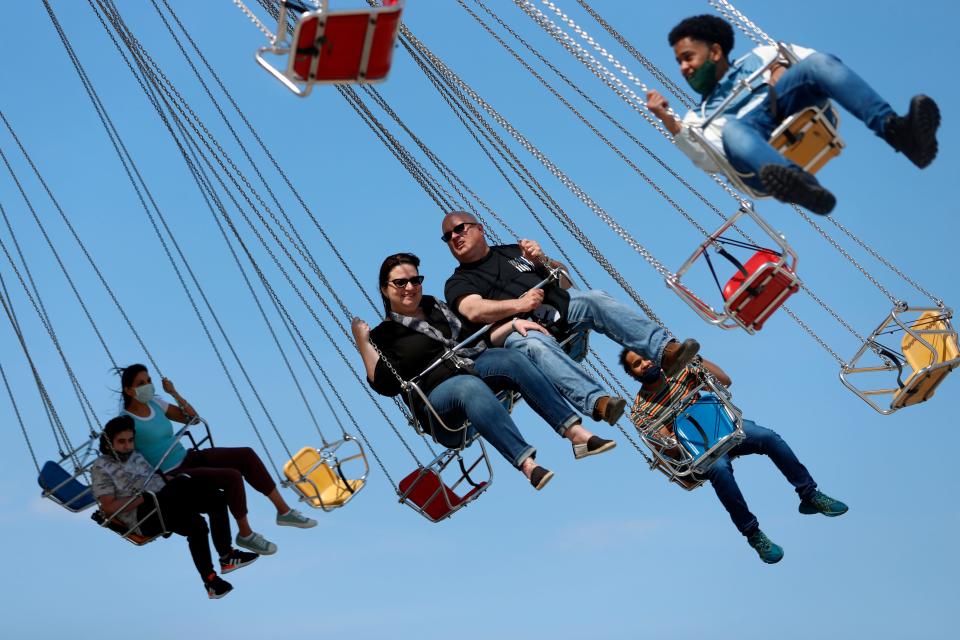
(759, 440)
(466, 397)
(811, 82)
(505, 369)
(595, 310)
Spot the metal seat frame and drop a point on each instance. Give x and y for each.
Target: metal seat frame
(280, 46)
(783, 268)
(686, 470)
(328, 455)
(902, 317)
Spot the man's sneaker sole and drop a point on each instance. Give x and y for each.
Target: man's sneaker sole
(926, 119)
(787, 184)
(808, 510)
(690, 348)
(580, 451)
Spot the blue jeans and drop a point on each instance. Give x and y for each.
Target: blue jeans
(810, 82)
(759, 440)
(597, 311)
(466, 397)
(504, 369)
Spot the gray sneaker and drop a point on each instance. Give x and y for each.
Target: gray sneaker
(294, 518)
(256, 543)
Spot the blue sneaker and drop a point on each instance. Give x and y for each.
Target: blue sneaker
(769, 551)
(820, 502)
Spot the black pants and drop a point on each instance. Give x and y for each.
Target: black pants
(182, 501)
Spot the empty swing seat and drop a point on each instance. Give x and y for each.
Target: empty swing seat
(425, 491)
(64, 488)
(316, 482)
(753, 296)
(808, 138)
(929, 368)
(344, 46)
(706, 430)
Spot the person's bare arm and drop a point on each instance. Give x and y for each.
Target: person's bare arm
(361, 334)
(659, 107)
(181, 412)
(717, 373)
(112, 505)
(482, 311)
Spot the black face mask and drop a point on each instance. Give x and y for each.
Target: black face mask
(122, 456)
(651, 375)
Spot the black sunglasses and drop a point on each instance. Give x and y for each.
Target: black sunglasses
(459, 229)
(401, 283)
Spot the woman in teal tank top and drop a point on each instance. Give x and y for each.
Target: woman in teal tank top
(225, 467)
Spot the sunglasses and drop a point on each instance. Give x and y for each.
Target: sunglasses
(459, 229)
(401, 283)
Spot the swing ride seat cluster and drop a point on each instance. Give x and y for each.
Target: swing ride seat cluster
(67, 490)
(808, 138)
(928, 353)
(758, 288)
(691, 429)
(317, 475)
(334, 47)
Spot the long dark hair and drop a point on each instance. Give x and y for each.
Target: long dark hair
(112, 429)
(388, 264)
(127, 374)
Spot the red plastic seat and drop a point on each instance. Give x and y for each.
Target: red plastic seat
(352, 45)
(754, 296)
(426, 492)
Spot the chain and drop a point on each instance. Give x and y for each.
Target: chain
(254, 19)
(721, 5)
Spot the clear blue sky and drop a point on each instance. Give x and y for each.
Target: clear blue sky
(609, 549)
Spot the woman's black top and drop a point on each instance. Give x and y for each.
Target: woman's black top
(410, 352)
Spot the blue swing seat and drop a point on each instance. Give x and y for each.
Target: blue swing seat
(64, 488)
(706, 430)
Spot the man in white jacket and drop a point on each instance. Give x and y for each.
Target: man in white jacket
(702, 46)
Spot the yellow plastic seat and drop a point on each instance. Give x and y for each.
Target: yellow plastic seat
(927, 375)
(808, 139)
(316, 482)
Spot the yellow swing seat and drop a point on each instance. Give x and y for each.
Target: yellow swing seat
(316, 482)
(930, 368)
(809, 138)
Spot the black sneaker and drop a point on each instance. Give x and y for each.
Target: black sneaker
(915, 134)
(540, 477)
(595, 445)
(677, 355)
(217, 587)
(236, 559)
(796, 186)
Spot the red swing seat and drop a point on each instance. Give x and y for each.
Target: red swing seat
(426, 491)
(752, 297)
(345, 46)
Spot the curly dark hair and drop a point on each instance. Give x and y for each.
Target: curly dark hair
(112, 429)
(706, 28)
(623, 363)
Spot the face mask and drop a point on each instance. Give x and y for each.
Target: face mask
(704, 79)
(145, 393)
(651, 375)
(123, 456)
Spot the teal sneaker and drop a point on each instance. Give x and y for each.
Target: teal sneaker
(820, 502)
(256, 543)
(294, 518)
(769, 551)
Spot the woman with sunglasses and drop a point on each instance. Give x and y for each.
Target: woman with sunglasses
(224, 467)
(420, 329)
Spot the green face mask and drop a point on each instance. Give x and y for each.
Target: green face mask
(704, 79)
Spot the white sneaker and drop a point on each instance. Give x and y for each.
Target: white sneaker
(256, 543)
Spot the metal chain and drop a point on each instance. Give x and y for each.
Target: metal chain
(254, 19)
(671, 86)
(720, 5)
(16, 410)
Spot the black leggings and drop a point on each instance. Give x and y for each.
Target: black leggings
(182, 500)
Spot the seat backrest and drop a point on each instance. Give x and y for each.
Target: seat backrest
(425, 489)
(917, 354)
(757, 261)
(703, 424)
(62, 487)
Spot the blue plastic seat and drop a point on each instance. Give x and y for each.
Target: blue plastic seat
(64, 488)
(703, 425)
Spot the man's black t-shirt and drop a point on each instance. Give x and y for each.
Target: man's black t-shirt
(504, 274)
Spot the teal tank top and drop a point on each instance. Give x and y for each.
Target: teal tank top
(155, 435)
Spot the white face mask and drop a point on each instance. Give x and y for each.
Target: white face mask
(145, 393)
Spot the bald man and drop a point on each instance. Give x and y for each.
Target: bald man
(497, 283)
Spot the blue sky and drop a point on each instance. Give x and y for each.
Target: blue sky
(609, 549)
